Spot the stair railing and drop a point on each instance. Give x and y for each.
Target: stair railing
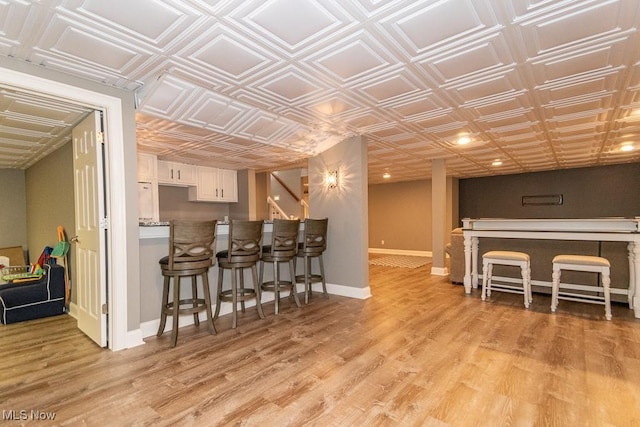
(275, 211)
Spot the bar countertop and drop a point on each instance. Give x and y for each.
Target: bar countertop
(160, 229)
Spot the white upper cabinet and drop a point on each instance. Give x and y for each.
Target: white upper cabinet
(179, 174)
(214, 185)
(228, 185)
(147, 171)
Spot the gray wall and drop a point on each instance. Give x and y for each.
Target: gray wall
(13, 227)
(245, 208)
(262, 191)
(400, 214)
(346, 259)
(50, 203)
(602, 191)
(41, 199)
(174, 204)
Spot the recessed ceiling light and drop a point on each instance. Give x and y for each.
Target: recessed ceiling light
(386, 175)
(626, 147)
(497, 162)
(463, 140)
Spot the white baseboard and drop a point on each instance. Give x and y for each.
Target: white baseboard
(134, 338)
(347, 291)
(73, 310)
(149, 328)
(400, 252)
(439, 271)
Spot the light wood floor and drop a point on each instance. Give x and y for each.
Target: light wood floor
(420, 352)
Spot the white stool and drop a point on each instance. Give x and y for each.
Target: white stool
(518, 259)
(594, 264)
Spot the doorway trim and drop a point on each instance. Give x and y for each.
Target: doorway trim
(117, 252)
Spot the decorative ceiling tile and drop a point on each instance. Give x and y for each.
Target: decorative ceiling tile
(266, 84)
(488, 55)
(292, 22)
(168, 98)
(166, 18)
(408, 26)
(65, 39)
(566, 26)
(332, 106)
(291, 85)
(215, 114)
(353, 60)
(226, 55)
(13, 16)
(390, 88)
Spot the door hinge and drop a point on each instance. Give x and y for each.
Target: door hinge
(100, 137)
(105, 309)
(104, 223)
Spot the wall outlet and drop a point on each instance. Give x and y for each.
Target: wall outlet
(382, 242)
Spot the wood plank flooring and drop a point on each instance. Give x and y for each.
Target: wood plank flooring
(418, 353)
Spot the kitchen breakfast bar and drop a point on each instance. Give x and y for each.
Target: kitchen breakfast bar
(594, 230)
(154, 244)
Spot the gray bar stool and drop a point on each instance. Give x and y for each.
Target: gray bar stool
(518, 259)
(593, 264)
(283, 249)
(190, 255)
(242, 252)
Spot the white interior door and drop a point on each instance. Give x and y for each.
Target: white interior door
(90, 243)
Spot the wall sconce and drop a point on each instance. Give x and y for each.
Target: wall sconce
(331, 178)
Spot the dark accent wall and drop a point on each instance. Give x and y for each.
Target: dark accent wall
(603, 191)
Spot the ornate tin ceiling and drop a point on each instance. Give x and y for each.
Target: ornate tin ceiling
(264, 84)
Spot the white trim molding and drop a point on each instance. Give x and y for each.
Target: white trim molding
(117, 239)
(438, 271)
(400, 252)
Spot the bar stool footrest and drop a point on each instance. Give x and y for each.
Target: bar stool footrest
(200, 306)
(270, 286)
(242, 295)
(313, 278)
